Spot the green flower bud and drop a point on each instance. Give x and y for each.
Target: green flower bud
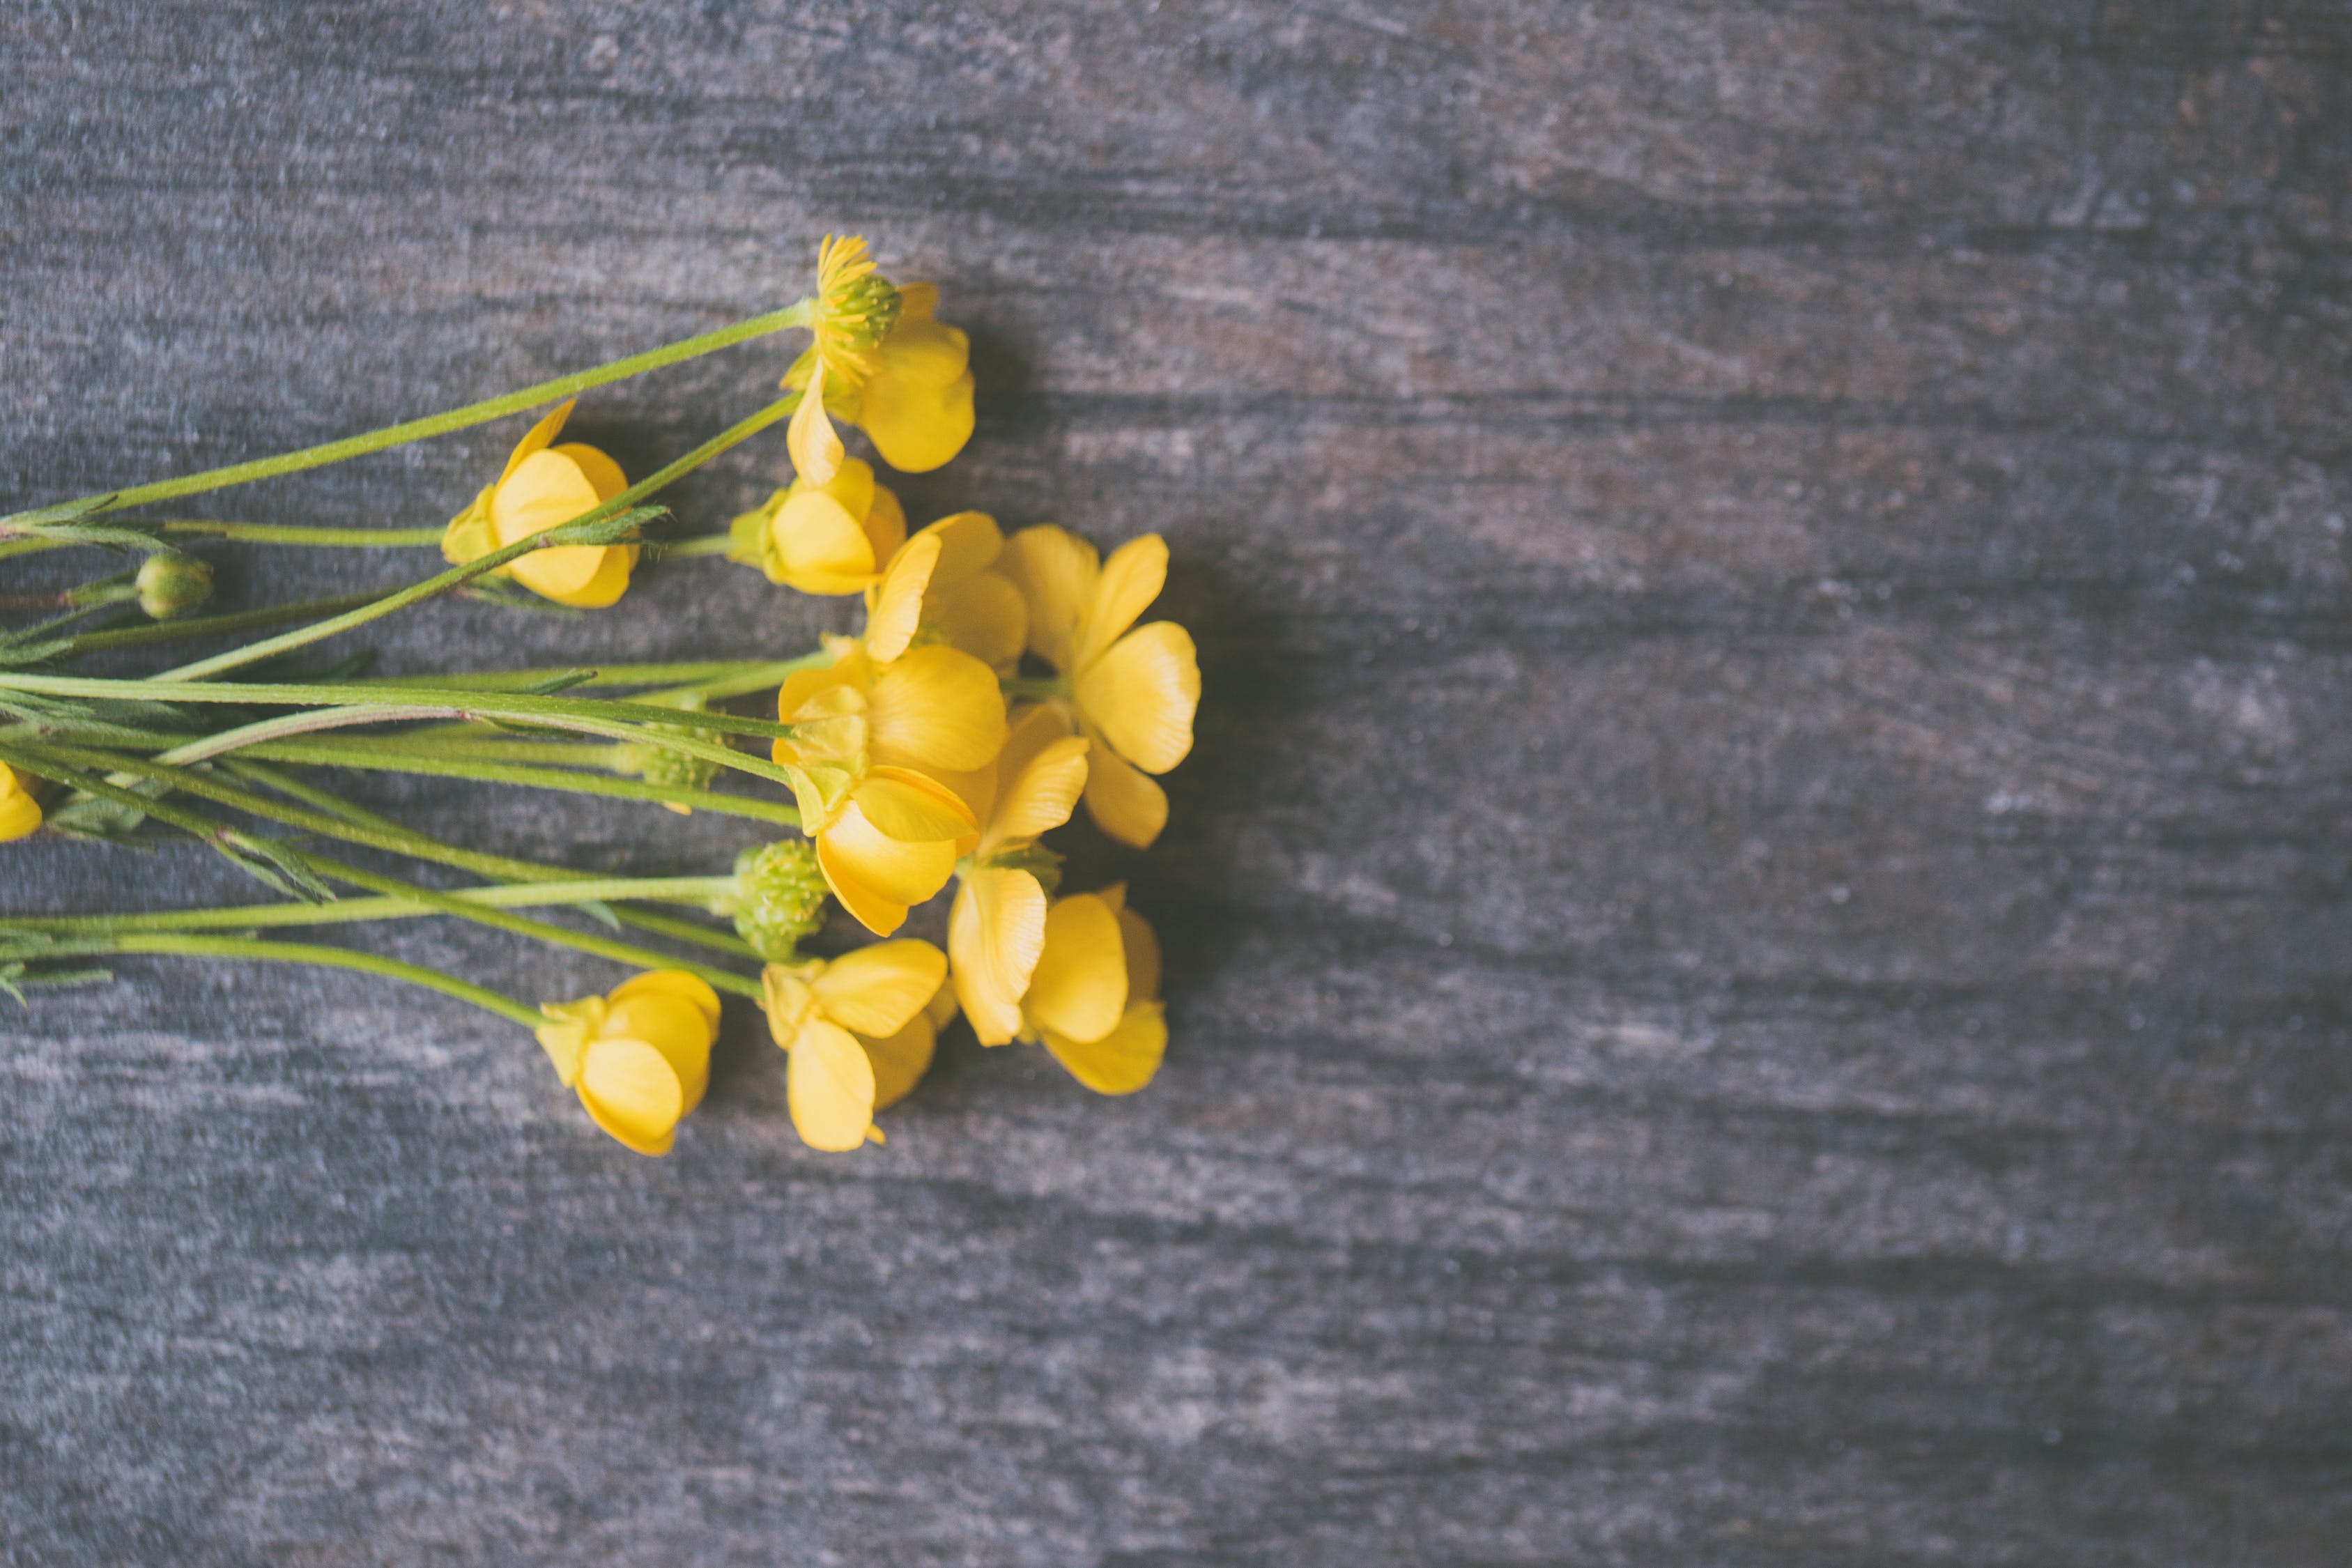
(780, 897)
(675, 768)
(171, 583)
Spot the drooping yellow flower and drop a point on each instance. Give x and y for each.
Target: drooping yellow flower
(880, 361)
(20, 809)
(868, 744)
(941, 586)
(833, 538)
(1134, 691)
(860, 1031)
(544, 487)
(996, 932)
(639, 1055)
(1094, 1001)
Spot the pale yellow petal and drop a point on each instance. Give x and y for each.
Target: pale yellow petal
(873, 990)
(545, 490)
(633, 1091)
(689, 988)
(1041, 796)
(20, 812)
(816, 450)
(896, 608)
(936, 708)
(553, 575)
(1079, 987)
(915, 428)
(829, 1085)
(970, 543)
(1142, 956)
(984, 616)
(1123, 1060)
(603, 474)
(922, 352)
(676, 1028)
(821, 547)
(917, 302)
(877, 877)
(1124, 801)
(886, 521)
(1056, 571)
(1142, 694)
(900, 1061)
(1132, 578)
(996, 933)
(910, 807)
(539, 436)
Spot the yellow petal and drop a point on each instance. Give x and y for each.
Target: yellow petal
(1130, 580)
(816, 450)
(820, 544)
(1141, 695)
(1123, 1060)
(1041, 796)
(917, 428)
(829, 1084)
(985, 616)
(633, 1092)
(691, 989)
(1079, 987)
(1142, 957)
(942, 1009)
(800, 693)
(564, 1036)
(20, 812)
(1056, 571)
(996, 933)
(936, 708)
(922, 352)
(876, 989)
(538, 437)
(552, 573)
(875, 877)
(676, 1028)
(1124, 801)
(896, 608)
(603, 474)
(970, 543)
(911, 808)
(900, 1061)
(546, 490)
(917, 302)
(886, 521)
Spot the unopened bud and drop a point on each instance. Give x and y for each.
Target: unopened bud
(171, 583)
(780, 897)
(676, 769)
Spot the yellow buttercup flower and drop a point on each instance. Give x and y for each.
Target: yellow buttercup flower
(1094, 1001)
(941, 586)
(880, 361)
(1135, 691)
(860, 1031)
(544, 487)
(833, 538)
(868, 743)
(639, 1056)
(20, 809)
(996, 932)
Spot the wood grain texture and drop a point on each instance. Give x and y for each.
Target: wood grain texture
(1757, 932)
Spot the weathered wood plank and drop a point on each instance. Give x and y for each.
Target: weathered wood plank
(1756, 936)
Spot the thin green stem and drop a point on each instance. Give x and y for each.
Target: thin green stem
(700, 544)
(455, 419)
(274, 533)
(328, 755)
(692, 891)
(31, 546)
(295, 789)
(333, 958)
(212, 626)
(598, 675)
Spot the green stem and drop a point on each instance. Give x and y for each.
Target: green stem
(333, 958)
(613, 510)
(455, 419)
(599, 675)
(272, 533)
(212, 625)
(332, 757)
(693, 890)
(701, 544)
(295, 789)
(32, 546)
(606, 525)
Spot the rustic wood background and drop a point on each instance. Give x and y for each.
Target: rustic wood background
(1756, 933)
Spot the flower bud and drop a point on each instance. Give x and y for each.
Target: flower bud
(780, 897)
(171, 583)
(675, 768)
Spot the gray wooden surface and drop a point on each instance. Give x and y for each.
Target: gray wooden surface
(1756, 933)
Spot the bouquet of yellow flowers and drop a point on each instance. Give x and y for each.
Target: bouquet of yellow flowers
(1000, 679)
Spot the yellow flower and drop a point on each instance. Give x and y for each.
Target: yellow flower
(544, 487)
(868, 742)
(996, 931)
(833, 538)
(1094, 1001)
(860, 1031)
(1135, 691)
(880, 361)
(639, 1056)
(940, 586)
(20, 810)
